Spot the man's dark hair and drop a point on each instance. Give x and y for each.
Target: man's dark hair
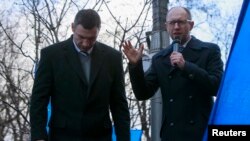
(88, 18)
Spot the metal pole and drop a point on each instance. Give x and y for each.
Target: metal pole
(159, 40)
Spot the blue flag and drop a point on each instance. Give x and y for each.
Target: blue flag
(232, 106)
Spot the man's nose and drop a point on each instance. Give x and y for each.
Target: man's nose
(176, 25)
(85, 42)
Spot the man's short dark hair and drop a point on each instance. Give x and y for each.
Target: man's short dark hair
(88, 18)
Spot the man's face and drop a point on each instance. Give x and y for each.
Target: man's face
(178, 24)
(84, 38)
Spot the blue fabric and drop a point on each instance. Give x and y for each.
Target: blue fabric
(233, 100)
(135, 135)
(49, 114)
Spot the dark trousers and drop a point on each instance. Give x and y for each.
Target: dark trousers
(59, 134)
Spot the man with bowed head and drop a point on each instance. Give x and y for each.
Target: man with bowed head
(188, 79)
(85, 81)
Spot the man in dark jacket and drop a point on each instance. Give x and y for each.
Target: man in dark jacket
(188, 79)
(84, 80)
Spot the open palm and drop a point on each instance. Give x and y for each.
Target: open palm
(132, 54)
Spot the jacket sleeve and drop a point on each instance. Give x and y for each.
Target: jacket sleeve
(119, 105)
(144, 85)
(40, 98)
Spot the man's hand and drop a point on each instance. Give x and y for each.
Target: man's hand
(132, 54)
(177, 60)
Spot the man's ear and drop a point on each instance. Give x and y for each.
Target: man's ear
(191, 23)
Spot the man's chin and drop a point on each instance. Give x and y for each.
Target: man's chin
(86, 48)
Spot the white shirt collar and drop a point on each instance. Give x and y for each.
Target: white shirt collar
(78, 49)
(185, 44)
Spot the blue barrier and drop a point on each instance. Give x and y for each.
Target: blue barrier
(135, 135)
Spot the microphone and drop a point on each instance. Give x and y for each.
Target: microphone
(176, 43)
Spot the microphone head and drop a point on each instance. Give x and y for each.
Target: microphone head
(177, 39)
(176, 43)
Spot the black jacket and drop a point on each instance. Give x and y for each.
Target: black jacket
(187, 94)
(77, 105)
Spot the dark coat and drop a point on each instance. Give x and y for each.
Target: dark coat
(79, 110)
(187, 94)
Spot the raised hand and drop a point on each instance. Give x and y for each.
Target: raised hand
(132, 54)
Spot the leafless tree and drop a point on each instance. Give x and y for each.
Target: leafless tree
(133, 29)
(40, 25)
(31, 25)
(14, 93)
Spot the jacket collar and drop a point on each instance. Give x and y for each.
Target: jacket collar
(193, 44)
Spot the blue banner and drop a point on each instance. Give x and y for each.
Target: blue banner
(232, 106)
